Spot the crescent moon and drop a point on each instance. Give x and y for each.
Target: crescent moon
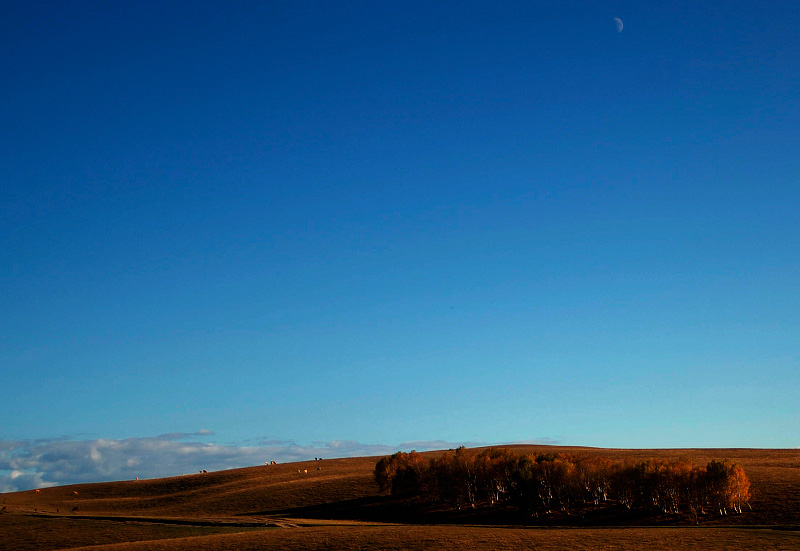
(618, 23)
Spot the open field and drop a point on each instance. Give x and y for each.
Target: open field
(333, 504)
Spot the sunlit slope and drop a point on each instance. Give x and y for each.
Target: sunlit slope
(251, 490)
(304, 488)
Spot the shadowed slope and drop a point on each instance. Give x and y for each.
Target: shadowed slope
(457, 538)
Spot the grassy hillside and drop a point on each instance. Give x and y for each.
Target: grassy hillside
(328, 500)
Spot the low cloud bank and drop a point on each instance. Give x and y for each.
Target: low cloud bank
(28, 464)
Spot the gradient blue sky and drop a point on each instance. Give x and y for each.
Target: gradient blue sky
(395, 222)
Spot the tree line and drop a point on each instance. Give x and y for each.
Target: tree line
(562, 483)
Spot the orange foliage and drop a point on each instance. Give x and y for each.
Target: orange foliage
(546, 483)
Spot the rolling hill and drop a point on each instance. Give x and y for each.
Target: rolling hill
(310, 504)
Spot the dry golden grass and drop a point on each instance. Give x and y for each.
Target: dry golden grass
(457, 538)
(30, 532)
(221, 510)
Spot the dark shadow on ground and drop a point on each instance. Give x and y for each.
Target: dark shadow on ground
(414, 511)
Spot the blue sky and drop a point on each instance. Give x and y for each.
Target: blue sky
(273, 226)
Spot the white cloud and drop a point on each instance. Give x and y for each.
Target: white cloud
(49, 462)
(20, 480)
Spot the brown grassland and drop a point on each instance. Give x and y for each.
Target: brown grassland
(334, 504)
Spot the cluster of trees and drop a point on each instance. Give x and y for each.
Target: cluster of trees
(545, 483)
